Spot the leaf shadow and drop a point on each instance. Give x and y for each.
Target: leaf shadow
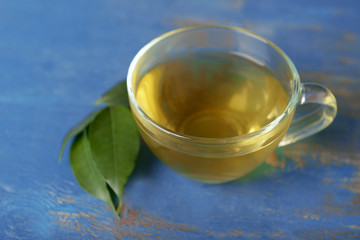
(145, 163)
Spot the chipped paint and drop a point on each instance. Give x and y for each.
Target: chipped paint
(322, 233)
(347, 60)
(354, 227)
(131, 223)
(349, 37)
(312, 216)
(329, 208)
(276, 161)
(238, 232)
(237, 4)
(188, 22)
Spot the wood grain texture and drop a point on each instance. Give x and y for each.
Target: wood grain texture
(58, 57)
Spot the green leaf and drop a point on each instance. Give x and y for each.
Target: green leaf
(115, 96)
(76, 130)
(85, 170)
(115, 142)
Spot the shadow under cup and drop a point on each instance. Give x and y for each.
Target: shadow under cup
(214, 160)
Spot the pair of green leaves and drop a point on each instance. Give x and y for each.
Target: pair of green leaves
(105, 148)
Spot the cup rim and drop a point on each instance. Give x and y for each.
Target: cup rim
(215, 141)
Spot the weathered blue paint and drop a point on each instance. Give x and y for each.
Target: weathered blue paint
(58, 57)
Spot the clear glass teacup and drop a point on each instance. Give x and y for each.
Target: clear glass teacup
(213, 102)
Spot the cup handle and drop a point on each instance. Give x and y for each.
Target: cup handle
(313, 121)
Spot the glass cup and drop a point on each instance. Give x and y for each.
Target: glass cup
(217, 160)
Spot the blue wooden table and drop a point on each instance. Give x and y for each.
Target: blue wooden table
(58, 57)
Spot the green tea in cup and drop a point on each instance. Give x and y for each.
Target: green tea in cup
(214, 102)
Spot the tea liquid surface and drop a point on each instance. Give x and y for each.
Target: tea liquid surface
(213, 95)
